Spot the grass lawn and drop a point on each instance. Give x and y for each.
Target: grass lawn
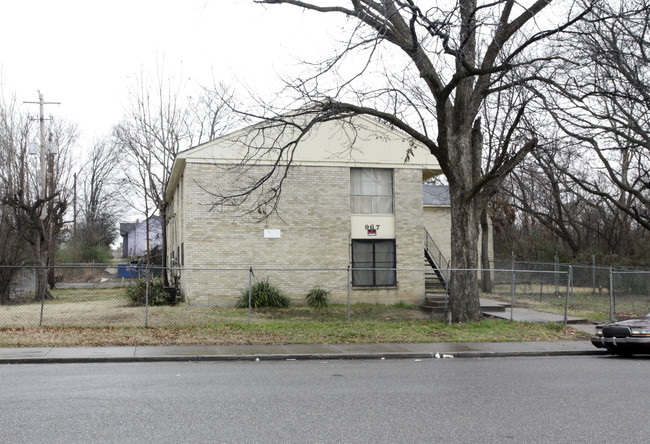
(105, 317)
(289, 332)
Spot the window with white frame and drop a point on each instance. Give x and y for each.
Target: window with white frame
(371, 190)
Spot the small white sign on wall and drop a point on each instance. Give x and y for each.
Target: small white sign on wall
(272, 233)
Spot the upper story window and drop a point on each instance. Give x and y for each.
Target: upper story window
(371, 190)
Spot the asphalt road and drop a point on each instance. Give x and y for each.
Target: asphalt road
(545, 399)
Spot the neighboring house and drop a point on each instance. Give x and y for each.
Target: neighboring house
(346, 201)
(134, 236)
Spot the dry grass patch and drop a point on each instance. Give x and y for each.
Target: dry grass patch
(283, 332)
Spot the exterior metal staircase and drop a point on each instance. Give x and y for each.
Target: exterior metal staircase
(436, 279)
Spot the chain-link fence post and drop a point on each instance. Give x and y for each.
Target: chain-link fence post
(348, 282)
(447, 281)
(40, 322)
(593, 273)
(557, 276)
(611, 294)
(513, 287)
(146, 296)
(571, 283)
(566, 299)
(250, 292)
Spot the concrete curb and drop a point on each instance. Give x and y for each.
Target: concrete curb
(299, 357)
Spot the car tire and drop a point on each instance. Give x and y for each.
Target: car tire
(623, 353)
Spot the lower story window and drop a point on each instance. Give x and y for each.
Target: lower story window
(373, 263)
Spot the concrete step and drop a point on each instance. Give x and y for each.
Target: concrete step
(435, 289)
(435, 301)
(437, 304)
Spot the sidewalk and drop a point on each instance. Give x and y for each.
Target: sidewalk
(443, 350)
(502, 310)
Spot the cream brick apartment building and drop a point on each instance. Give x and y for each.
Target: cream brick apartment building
(351, 198)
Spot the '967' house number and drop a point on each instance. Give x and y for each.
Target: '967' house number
(372, 229)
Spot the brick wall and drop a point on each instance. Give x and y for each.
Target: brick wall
(314, 220)
(408, 240)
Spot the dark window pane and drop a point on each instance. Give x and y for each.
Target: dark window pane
(384, 254)
(385, 277)
(373, 262)
(362, 278)
(362, 254)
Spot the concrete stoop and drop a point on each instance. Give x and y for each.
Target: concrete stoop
(436, 304)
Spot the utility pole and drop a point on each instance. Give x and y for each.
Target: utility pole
(41, 118)
(45, 274)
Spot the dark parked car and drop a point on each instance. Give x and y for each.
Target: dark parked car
(624, 337)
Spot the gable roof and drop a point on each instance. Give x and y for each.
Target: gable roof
(435, 194)
(358, 141)
(127, 227)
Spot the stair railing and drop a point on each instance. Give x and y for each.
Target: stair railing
(431, 248)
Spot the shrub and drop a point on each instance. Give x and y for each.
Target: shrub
(318, 298)
(263, 294)
(136, 292)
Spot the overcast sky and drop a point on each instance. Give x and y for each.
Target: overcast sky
(86, 54)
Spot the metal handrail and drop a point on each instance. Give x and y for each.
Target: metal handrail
(436, 255)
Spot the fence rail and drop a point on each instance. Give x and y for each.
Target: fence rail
(112, 295)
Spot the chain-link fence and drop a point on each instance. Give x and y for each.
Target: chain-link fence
(121, 295)
(630, 294)
(585, 275)
(595, 293)
(544, 290)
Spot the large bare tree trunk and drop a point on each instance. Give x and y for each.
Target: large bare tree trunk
(463, 289)
(40, 253)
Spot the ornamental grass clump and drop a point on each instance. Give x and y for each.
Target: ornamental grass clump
(263, 294)
(318, 298)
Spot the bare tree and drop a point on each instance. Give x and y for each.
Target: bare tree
(605, 104)
(11, 251)
(428, 72)
(151, 134)
(209, 115)
(553, 205)
(508, 121)
(555, 215)
(37, 209)
(162, 120)
(11, 243)
(98, 187)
